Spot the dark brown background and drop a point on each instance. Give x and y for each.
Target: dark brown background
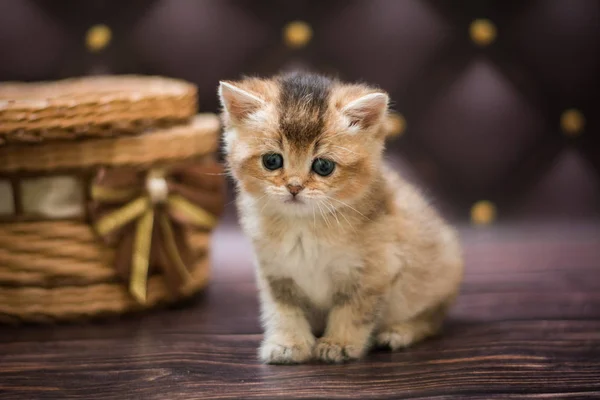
(483, 123)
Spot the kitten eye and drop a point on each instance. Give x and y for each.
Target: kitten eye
(323, 166)
(272, 161)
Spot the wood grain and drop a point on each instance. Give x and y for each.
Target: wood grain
(527, 325)
(501, 357)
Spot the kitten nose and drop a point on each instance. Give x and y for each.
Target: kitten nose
(294, 189)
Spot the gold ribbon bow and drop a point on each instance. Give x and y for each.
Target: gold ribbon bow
(145, 215)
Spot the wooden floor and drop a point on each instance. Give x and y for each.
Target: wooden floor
(527, 325)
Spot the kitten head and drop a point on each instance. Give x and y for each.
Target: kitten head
(302, 142)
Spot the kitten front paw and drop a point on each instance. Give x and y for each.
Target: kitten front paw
(403, 335)
(272, 352)
(332, 351)
(394, 340)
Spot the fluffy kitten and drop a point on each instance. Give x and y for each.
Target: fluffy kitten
(345, 248)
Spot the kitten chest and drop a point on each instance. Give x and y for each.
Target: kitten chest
(317, 265)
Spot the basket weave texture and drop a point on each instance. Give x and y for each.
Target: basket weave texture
(65, 269)
(92, 106)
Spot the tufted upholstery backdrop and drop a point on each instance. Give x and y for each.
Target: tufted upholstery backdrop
(497, 102)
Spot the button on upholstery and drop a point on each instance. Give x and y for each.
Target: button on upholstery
(297, 34)
(483, 32)
(98, 37)
(483, 212)
(572, 122)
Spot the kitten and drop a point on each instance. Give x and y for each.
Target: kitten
(344, 248)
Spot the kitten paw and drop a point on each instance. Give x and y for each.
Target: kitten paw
(278, 353)
(403, 335)
(331, 351)
(394, 340)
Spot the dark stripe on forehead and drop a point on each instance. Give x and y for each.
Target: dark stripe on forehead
(302, 105)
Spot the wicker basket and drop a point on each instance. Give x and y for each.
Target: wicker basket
(110, 224)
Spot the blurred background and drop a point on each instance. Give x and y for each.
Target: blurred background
(496, 103)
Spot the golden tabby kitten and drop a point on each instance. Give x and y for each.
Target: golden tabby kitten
(345, 248)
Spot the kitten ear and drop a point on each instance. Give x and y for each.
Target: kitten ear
(236, 102)
(367, 111)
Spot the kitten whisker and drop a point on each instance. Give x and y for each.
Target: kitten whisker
(349, 206)
(215, 173)
(234, 200)
(264, 205)
(323, 215)
(255, 200)
(343, 216)
(348, 221)
(333, 211)
(229, 202)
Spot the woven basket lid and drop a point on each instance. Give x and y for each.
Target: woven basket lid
(92, 106)
(200, 136)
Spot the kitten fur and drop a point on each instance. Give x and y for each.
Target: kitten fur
(357, 258)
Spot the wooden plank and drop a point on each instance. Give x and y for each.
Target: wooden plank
(233, 309)
(511, 358)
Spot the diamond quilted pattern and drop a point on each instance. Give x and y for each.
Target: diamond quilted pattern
(480, 127)
(560, 41)
(569, 189)
(385, 41)
(483, 122)
(180, 37)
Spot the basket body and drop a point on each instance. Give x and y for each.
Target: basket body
(60, 271)
(66, 258)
